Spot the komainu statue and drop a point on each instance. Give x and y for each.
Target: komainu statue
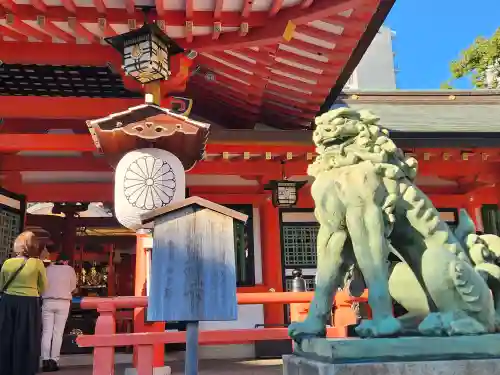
(368, 206)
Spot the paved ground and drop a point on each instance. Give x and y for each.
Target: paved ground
(207, 367)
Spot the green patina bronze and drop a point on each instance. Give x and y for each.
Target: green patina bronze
(368, 206)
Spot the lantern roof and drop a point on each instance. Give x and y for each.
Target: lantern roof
(118, 41)
(273, 62)
(148, 125)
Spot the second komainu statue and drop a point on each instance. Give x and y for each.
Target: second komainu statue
(368, 206)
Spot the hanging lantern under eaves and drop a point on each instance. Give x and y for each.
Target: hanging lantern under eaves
(146, 52)
(285, 192)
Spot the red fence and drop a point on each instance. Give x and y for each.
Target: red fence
(105, 338)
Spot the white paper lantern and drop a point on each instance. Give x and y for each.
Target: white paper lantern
(147, 179)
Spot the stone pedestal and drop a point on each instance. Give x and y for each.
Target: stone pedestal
(296, 365)
(459, 355)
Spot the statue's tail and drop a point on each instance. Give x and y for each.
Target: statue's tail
(465, 227)
(475, 294)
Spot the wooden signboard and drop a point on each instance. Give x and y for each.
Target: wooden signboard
(193, 274)
(193, 271)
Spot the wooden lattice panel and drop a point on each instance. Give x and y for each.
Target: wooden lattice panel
(47, 80)
(9, 230)
(12, 209)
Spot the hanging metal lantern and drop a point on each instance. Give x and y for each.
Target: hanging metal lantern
(146, 52)
(285, 192)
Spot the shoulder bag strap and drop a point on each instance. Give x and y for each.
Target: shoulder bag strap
(13, 277)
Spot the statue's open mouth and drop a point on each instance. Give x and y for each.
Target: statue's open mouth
(334, 141)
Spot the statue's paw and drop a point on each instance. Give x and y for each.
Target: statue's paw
(432, 325)
(455, 323)
(308, 328)
(466, 326)
(497, 321)
(387, 327)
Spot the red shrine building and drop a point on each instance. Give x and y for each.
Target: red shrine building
(258, 72)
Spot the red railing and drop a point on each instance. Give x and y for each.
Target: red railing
(105, 338)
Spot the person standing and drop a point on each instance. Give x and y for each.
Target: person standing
(55, 310)
(22, 280)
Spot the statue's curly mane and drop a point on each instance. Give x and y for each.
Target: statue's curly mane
(345, 137)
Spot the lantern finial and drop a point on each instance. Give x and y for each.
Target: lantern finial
(149, 98)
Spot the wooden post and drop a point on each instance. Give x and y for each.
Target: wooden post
(191, 362)
(140, 290)
(104, 357)
(145, 360)
(111, 270)
(69, 237)
(272, 269)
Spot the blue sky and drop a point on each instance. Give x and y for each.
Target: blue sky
(431, 33)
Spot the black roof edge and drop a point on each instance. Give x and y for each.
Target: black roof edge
(371, 31)
(463, 140)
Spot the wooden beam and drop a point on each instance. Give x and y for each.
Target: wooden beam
(50, 28)
(130, 6)
(320, 9)
(58, 54)
(275, 31)
(46, 142)
(41, 126)
(275, 7)
(160, 8)
(17, 24)
(100, 6)
(10, 5)
(81, 31)
(11, 164)
(42, 107)
(9, 33)
(84, 163)
(39, 5)
(69, 5)
(103, 192)
(83, 143)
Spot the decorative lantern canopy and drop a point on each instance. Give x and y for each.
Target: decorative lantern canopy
(284, 192)
(146, 52)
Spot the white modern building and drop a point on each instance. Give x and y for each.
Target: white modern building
(376, 70)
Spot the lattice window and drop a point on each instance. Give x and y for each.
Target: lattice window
(9, 229)
(299, 245)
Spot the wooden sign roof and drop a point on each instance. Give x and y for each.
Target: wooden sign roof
(192, 201)
(273, 61)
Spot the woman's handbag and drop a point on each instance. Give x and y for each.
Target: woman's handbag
(12, 278)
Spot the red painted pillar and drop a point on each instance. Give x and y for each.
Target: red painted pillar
(111, 270)
(272, 268)
(140, 290)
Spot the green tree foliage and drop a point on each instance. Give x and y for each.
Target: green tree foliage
(478, 62)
